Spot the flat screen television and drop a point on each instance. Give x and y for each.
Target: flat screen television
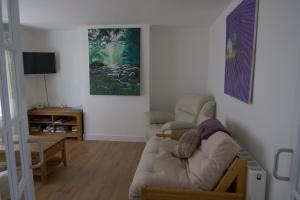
(39, 63)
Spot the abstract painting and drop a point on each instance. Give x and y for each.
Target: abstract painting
(241, 26)
(114, 61)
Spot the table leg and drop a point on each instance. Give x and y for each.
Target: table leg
(44, 173)
(64, 154)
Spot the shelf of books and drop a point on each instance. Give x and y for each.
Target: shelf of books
(56, 121)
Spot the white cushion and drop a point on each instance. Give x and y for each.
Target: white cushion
(4, 185)
(209, 162)
(158, 168)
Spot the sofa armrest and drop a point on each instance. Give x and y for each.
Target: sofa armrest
(159, 117)
(176, 126)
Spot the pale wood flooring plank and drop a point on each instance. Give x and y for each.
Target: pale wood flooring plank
(97, 170)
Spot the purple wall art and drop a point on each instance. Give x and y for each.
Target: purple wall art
(241, 26)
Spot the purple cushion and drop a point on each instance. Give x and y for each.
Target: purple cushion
(211, 126)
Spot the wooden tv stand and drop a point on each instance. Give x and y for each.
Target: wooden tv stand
(65, 122)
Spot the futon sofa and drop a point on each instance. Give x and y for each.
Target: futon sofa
(158, 168)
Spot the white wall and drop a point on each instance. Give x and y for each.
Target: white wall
(103, 115)
(64, 87)
(179, 59)
(179, 62)
(269, 123)
(116, 115)
(34, 84)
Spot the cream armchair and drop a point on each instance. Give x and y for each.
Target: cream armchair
(189, 110)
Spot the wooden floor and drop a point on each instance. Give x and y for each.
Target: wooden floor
(96, 170)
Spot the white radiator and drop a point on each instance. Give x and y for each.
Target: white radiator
(256, 178)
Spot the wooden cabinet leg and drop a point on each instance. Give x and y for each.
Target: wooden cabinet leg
(80, 136)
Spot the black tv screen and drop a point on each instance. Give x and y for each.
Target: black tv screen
(39, 63)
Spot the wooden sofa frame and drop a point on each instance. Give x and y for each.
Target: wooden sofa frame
(232, 186)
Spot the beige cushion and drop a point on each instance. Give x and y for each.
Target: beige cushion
(209, 162)
(177, 125)
(158, 168)
(159, 117)
(187, 144)
(4, 184)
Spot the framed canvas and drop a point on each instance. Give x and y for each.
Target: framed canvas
(241, 26)
(114, 61)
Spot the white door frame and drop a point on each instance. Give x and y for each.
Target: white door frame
(294, 177)
(295, 195)
(25, 186)
(295, 168)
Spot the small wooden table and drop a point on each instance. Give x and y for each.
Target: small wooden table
(53, 145)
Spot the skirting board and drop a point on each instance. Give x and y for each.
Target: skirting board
(121, 138)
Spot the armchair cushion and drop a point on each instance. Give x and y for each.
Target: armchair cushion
(208, 109)
(159, 117)
(189, 106)
(177, 125)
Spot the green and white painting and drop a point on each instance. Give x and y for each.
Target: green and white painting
(114, 61)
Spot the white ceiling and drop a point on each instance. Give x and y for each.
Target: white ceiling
(68, 13)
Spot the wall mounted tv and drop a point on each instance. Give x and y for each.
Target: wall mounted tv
(39, 63)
